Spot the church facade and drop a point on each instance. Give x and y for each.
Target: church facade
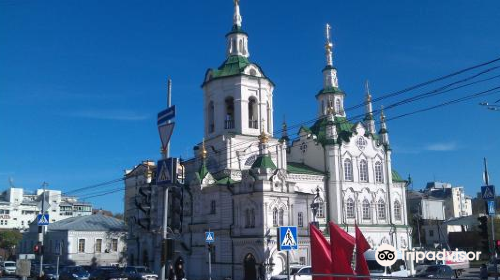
(245, 181)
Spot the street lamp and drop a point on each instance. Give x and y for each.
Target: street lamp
(315, 206)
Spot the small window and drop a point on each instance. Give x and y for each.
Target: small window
(363, 170)
(281, 217)
(275, 217)
(350, 209)
(379, 175)
(213, 206)
(338, 107)
(381, 209)
(114, 245)
(431, 233)
(366, 210)
(300, 219)
(252, 218)
(81, 245)
(347, 169)
(98, 245)
(253, 72)
(321, 209)
(397, 210)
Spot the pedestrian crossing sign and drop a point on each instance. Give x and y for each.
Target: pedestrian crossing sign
(209, 237)
(287, 238)
(43, 219)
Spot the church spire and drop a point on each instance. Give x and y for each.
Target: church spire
(329, 73)
(383, 128)
(237, 17)
(237, 39)
(369, 121)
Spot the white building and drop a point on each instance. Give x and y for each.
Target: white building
(85, 240)
(244, 181)
(19, 208)
(457, 203)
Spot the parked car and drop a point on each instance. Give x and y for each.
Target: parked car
(73, 273)
(301, 272)
(491, 267)
(139, 273)
(436, 271)
(8, 268)
(50, 272)
(108, 273)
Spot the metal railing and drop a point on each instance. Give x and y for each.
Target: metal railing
(253, 124)
(351, 276)
(229, 124)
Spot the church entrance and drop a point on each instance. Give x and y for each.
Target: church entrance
(250, 269)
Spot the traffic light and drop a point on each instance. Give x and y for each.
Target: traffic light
(38, 249)
(483, 233)
(176, 210)
(167, 250)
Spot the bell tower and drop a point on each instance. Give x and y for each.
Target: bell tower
(238, 97)
(331, 96)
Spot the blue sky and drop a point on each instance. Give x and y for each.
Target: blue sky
(82, 81)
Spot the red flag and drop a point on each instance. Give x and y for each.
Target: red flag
(361, 247)
(342, 246)
(321, 257)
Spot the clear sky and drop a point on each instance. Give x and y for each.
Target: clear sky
(81, 81)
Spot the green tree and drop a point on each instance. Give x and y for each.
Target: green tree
(9, 239)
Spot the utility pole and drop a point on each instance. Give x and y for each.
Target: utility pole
(494, 253)
(165, 155)
(41, 231)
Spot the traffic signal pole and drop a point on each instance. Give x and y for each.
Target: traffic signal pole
(166, 154)
(41, 233)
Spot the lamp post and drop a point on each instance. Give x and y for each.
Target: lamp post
(315, 206)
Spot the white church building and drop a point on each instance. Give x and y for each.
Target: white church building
(245, 181)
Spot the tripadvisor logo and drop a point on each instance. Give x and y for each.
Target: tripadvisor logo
(385, 255)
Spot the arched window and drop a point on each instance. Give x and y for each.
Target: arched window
(397, 210)
(211, 117)
(275, 217)
(247, 218)
(253, 119)
(347, 169)
(337, 106)
(379, 174)
(323, 110)
(252, 218)
(241, 46)
(381, 209)
(366, 210)
(281, 217)
(321, 209)
(229, 121)
(268, 118)
(363, 171)
(350, 208)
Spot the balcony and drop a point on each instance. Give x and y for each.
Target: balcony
(253, 124)
(229, 124)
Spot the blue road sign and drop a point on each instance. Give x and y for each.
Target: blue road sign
(43, 219)
(287, 238)
(491, 207)
(488, 192)
(166, 115)
(166, 172)
(209, 236)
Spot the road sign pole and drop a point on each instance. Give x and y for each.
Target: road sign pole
(287, 264)
(41, 232)
(163, 270)
(210, 262)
